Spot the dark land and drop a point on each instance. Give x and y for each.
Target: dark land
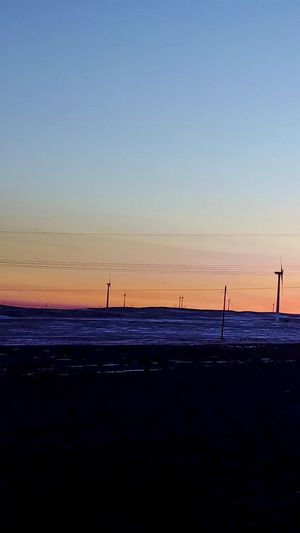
(197, 438)
(142, 326)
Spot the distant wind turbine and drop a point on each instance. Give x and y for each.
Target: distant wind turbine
(279, 273)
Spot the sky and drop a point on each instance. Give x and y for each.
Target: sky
(173, 118)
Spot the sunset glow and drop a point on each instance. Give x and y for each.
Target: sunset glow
(157, 144)
(72, 270)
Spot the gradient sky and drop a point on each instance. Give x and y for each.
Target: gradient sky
(152, 117)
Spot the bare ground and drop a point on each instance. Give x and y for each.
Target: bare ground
(197, 447)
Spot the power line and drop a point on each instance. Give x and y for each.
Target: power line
(120, 234)
(112, 290)
(118, 263)
(178, 289)
(158, 268)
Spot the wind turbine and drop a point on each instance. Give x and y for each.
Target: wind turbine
(107, 293)
(280, 282)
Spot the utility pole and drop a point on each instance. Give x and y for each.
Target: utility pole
(223, 317)
(124, 301)
(107, 294)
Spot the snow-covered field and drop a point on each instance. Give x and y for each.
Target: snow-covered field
(143, 326)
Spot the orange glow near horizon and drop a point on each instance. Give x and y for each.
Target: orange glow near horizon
(152, 270)
(244, 300)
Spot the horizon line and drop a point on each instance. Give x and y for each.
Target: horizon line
(104, 308)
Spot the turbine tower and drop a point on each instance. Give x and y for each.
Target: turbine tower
(107, 293)
(280, 282)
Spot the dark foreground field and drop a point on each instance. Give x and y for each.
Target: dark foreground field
(201, 446)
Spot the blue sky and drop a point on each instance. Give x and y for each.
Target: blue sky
(150, 116)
